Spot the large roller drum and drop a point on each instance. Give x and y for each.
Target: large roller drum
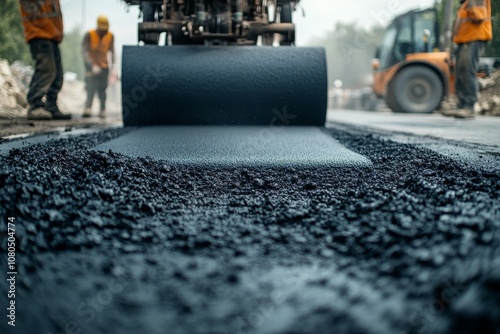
(197, 85)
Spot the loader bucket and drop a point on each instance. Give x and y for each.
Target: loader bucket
(220, 85)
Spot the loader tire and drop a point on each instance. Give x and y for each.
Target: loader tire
(415, 89)
(389, 100)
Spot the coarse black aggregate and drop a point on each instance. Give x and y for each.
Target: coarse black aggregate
(111, 244)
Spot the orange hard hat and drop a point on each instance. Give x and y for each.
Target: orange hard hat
(102, 23)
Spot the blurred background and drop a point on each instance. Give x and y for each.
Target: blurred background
(349, 30)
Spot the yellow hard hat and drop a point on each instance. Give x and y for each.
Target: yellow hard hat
(102, 23)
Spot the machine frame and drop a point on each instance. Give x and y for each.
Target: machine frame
(217, 22)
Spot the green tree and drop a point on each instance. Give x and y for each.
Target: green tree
(350, 49)
(12, 44)
(13, 47)
(493, 48)
(71, 51)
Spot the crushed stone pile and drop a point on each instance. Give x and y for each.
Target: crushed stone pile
(489, 97)
(489, 100)
(14, 83)
(111, 244)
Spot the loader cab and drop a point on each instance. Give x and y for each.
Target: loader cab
(412, 32)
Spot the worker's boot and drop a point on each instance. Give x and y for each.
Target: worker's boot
(464, 113)
(448, 112)
(39, 114)
(56, 113)
(102, 113)
(451, 111)
(86, 112)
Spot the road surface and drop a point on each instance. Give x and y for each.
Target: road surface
(484, 130)
(110, 243)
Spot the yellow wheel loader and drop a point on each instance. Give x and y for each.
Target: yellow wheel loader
(410, 70)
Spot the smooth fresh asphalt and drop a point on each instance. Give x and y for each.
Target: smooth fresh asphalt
(483, 130)
(246, 146)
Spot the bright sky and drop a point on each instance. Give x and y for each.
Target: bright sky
(321, 15)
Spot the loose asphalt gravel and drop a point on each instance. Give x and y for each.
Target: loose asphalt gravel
(112, 244)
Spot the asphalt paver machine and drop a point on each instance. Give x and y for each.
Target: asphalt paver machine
(221, 62)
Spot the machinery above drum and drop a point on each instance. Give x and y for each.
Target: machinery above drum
(220, 64)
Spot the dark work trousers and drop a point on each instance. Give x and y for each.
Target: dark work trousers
(47, 79)
(467, 63)
(96, 84)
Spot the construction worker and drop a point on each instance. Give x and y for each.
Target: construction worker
(43, 31)
(473, 28)
(97, 44)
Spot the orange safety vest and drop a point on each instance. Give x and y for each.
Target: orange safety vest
(42, 19)
(99, 48)
(473, 22)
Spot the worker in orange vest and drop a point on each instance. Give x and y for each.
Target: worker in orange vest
(473, 28)
(97, 45)
(43, 31)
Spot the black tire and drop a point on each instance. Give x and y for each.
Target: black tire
(415, 89)
(286, 13)
(267, 39)
(148, 15)
(389, 100)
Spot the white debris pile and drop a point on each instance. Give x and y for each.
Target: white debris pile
(22, 73)
(489, 99)
(14, 83)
